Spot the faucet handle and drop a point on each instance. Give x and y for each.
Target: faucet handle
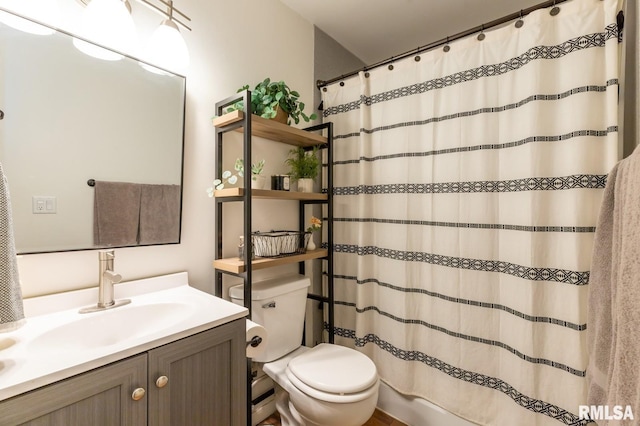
(112, 276)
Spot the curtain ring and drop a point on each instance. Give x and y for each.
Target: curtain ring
(417, 57)
(342, 84)
(446, 47)
(520, 22)
(390, 67)
(366, 74)
(555, 10)
(481, 36)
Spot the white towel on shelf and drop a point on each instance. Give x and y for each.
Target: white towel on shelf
(613, 327)
(11, 310)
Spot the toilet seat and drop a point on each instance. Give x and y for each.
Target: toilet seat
(333, 373)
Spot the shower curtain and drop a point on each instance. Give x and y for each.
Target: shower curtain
(467, 185)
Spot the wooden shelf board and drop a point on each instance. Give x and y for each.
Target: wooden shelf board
(272, 130)
(271, 194)
(235, 265)
(228, 118)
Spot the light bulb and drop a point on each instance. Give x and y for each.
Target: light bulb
(109, 24)
(167, 49)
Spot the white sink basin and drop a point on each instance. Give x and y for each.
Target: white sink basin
(58, 342)
(110, 327)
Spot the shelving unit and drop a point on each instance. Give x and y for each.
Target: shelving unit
(251, 126)
(236, 265)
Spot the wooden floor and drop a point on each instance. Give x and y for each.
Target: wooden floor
(378, 419)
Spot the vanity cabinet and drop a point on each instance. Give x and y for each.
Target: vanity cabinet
(206, 379)
(205, 385)
(101, 397)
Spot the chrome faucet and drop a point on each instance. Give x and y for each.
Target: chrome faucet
(106, 279)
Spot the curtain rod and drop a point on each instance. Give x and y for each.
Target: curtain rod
(446, 40)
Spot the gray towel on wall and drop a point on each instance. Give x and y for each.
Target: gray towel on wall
(160, 214)
(11, 310)
(613, 322)
(116, 213)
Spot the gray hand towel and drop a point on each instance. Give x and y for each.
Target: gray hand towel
(11, 310)
(160, 214)
(116, 213)
(613, 327)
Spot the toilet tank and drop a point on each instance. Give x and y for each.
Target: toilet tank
(277, 304)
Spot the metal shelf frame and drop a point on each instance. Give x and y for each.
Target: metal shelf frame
(243, 121)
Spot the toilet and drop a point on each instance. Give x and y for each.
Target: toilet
(326, 385)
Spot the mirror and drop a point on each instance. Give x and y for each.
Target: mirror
(69, 118)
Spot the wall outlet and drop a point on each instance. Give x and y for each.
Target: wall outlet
(44, 204)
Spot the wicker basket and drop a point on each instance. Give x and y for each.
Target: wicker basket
(279, 243)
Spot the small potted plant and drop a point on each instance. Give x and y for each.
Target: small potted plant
(275, 100)
(257, 179)
(304, 167)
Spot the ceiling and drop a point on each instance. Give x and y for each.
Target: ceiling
(375, 30)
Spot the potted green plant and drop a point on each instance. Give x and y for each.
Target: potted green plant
(257, 179)
(304, 167)
(275, 100)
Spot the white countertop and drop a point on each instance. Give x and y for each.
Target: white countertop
(30, 359)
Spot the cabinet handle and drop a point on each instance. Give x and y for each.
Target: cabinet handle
(162, 381)
(138, 394)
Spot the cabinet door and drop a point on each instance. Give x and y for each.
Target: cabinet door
(207, 379)
(101, 397)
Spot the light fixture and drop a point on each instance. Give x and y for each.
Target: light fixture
(166, 47)
(107, 23)
(44, 11)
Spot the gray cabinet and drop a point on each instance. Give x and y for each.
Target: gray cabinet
(101, 397)
(206, 379)
(198, 380)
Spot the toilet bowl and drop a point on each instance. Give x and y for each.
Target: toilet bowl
(327, 385)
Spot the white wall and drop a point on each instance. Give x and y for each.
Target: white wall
(232, 43)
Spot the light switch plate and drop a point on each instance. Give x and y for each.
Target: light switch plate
(44, 204)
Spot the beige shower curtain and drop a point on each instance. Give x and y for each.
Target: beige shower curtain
(467, 186)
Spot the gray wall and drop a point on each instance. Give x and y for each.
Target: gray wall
(331, 60)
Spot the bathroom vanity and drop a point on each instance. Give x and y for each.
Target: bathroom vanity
(184, 364)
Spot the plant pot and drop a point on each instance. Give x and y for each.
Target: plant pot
(305, 185)
(257, 182)
(282, 116)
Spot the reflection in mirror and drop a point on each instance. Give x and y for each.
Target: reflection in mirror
(68, 118)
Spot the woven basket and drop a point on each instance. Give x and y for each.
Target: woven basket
(279, 243)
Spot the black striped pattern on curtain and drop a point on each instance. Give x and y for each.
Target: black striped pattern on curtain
(467, 187)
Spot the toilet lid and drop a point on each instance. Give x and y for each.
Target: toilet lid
(334, 369)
